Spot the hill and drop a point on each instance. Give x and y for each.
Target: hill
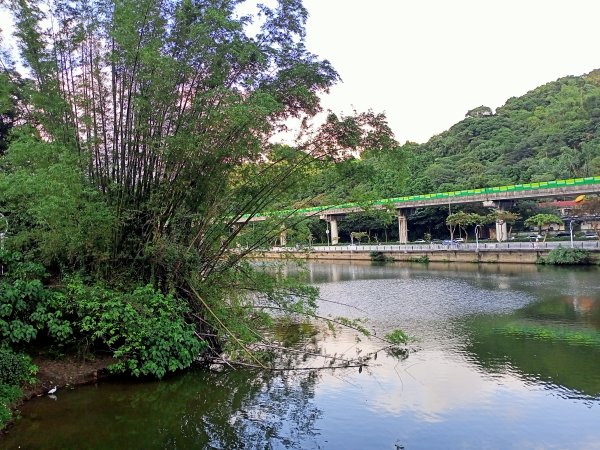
(552, 132)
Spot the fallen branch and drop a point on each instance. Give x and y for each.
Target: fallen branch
(287, 369)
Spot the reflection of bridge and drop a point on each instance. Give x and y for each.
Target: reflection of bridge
(496, 197)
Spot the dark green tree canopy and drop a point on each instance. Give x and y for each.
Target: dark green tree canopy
(163, 101)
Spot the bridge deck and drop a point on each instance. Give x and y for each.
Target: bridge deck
(557, 188)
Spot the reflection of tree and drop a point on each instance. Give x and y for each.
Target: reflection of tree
(550, 341)
(200, 409)
(571, 309)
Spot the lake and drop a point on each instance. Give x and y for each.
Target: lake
(502, 357)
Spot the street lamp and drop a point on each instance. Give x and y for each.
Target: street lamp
(327, 231)
(3, 231)
(571, 231)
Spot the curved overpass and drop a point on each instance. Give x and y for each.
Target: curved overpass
(491, 196)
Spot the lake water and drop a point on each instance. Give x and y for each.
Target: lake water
(504, 357)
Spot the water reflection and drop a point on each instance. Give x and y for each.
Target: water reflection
(197, 410)
(507, 357)
(555, 340)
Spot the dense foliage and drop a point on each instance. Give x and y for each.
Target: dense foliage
(145, 330)
(133, 136)
(549, 133)
(567, 256)
(15, 369)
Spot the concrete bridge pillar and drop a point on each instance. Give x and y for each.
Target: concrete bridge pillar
(332, 228)
(501, 231)
(335, 238)
(283, 236)
(501, 227)
(402, 226)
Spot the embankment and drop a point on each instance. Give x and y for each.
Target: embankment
(517, 256)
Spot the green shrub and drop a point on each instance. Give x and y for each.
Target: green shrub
(144, 329)
(54, 213)
(380, 257)
(8, 394)
(15, 369)
(567, 256)
(26, 305)
(397, 337)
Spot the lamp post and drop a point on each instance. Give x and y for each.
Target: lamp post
(477, 228)
(327, 232)
(571, 231)
(3, 231)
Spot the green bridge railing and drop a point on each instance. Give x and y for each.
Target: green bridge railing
(441, 195)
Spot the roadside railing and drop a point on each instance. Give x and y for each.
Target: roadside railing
(464, 246)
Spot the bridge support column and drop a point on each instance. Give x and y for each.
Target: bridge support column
(335, 238)
(501, 227)
(501, 231)
(402, 226)
(283, 236)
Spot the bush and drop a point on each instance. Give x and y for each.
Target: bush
(567, 256)
(26, 305)
(145, 329)
(397, 337)
(380, 257)
(15, 369)
(54, 214)
(8, 394)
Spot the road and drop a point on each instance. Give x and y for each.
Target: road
(470, 246)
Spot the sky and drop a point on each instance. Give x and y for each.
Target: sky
(425, 63)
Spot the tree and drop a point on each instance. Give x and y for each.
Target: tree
(9, 100)
(543, 220)
(347, 136)
(163, 102)
(156, 109)
(590, 208)
(462, 220)
(358, 236)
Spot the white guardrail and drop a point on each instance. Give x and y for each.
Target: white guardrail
(470, 246)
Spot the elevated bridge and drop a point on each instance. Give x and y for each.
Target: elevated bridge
(498, 197)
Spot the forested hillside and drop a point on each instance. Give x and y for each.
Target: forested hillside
(549, 133)
(552, 132)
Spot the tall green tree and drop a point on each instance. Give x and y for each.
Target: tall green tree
(163, 101)
(502, 217)
(151, 123)
(462, 220)
(543, 220)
